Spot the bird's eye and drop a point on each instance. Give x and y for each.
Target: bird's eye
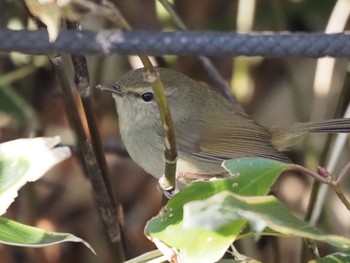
(147, 96)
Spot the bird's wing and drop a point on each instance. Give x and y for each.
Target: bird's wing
(223, 139)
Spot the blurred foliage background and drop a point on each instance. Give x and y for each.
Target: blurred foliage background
(273, 91)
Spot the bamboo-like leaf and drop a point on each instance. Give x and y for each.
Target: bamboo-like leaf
(201, 222)
(14, 106)
(26, 160)
(259, 211)
(339, 257)
(16, 234)
(170, 235)
(255, 175)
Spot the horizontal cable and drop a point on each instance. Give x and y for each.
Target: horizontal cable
(188, 43)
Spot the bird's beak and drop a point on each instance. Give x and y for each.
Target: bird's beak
(115, 89)
(105, 88)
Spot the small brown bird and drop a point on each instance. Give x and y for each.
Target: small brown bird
(208, 128)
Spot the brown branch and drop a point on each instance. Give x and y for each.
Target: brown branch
(326, 178)
(111, 12)
(343, 172)
(91, 153)
(336, 188)
(333, 183)
(104, 195)
(107, 211)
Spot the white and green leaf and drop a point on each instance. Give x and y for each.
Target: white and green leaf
(26, 160)
(16, 234)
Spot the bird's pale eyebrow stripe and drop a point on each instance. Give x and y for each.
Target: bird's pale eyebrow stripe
(133, 93)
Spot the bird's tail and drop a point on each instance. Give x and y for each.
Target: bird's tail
(283, 138)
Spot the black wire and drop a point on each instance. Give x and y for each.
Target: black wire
(276, 45)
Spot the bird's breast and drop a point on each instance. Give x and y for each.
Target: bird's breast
(145, 147)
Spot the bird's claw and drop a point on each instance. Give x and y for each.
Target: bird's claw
(166, 191)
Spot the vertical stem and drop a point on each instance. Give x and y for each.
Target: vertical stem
(152, 77)
(170, 153)
(102, 187)
(107, 210)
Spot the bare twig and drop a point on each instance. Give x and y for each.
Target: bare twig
(343, 172)
(91, 165)
(333, 183)
(318, 191)
(152, 77)
(340, 194)
(322, 83)
(110, 11)
(91, 153)
(170, 152)
(215, 77)
(318, 195)
(336, 23)
(326, 178)
(100, 181)
(321, 178)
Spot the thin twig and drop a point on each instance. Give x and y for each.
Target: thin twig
(337, 21)
(318, 191)
(335, 152)
(100, 181)
(215, 77)
(151, 76)
(91, 165)
(343, 172)
(326, 178)
(110, 11)
(340, 194)
(304, 170)
(170, 152)
(333, 183)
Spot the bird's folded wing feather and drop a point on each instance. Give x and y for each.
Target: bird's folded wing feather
(223, 139)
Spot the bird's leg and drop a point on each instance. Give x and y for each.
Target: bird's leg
(166, 191)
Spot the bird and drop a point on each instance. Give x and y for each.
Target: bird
(208, 128)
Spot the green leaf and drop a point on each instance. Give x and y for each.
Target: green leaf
(339, 257)
(21, 161)
(167, 228)
(154, 256)
(216, 212)
(12, 104)
(260, 211)
(26, 160)
(11, 172)
(255, 175)
(14, 233)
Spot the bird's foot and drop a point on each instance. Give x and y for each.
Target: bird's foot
(168, 192)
